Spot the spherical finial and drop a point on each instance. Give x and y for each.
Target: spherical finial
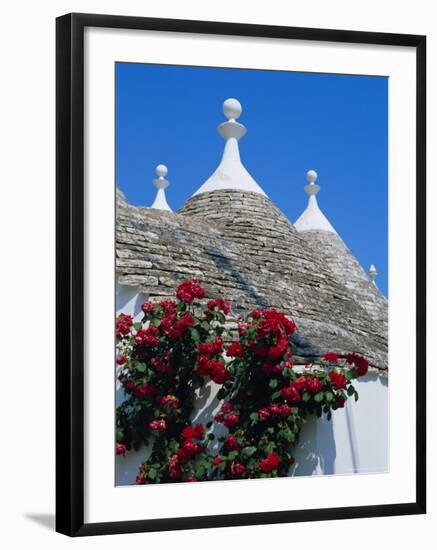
(232, 108)
(312, 176)
(161, 170)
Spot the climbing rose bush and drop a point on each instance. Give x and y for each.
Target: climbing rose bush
(177, 347)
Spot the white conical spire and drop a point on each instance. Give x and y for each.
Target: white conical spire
(161, 184)
(231, 174)
(372, 273)
(312, 218)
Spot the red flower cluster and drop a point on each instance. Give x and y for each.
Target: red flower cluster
(123, 325)
(148, 307)
(187, 451)
(237, 469)
(121, 360)
(235, 349)
(273, 411)
(314, 385)
(169, 400)
(120, 449)
(269, 368)
(211, 348)
(158, 425)
(142, 391)
(291, 394)
(222, 305)
(162, 365)
(147, 337)
(232, 443)
(277, 351)
(270, 463)
(227, 416)
(213, 368)
(274, 323)
(331, 357)
(361, 364)
(188, 291)
(175, 329)
(338, 380)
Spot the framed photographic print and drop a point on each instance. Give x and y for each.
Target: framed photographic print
(240, 274)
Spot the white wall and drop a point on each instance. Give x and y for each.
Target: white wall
(27, 228)
(354, 441)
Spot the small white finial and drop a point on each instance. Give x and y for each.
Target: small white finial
(232, 108)
(312, 188)
(372, 273)
(312, 176)
(161, 170)
(231, 128)
(160, 202)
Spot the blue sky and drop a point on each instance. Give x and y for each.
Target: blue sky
(334, 124)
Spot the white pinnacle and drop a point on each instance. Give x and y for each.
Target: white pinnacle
(161, 184)
(231, 174)
(312, 218)
(372, 273)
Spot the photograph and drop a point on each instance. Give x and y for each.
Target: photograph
(251, 269)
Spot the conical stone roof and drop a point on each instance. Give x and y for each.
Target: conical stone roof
(328, 246)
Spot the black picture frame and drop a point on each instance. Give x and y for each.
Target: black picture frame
(70, 273)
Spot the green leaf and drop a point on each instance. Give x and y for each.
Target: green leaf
(211, 437)
(254, 416)
(273, 383)
(350, 391)
(329, 396)
(318, 397)
(356, 396)
(208, 424)
(248, 451)
(306, 396)
(152, 474)
(232, 455)
(275, 395)
(140, 367)
(195, 336)
(137, 326)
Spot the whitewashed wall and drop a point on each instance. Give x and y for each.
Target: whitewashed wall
(354, 441)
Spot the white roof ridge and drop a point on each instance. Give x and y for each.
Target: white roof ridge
(312, 218)
(231, 173)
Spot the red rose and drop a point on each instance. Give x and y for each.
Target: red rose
(238, 469)
(264, 414)
(123, 325)
(270, 463)
(145, 390)
(226, 407)
(189, 290)
(361, 364)
(291, 394)
(148, 307)
(285, 410)
(217, 460)
(274, 409)
(232, 443)
(331, 357)
(300, 383)
(337, 379)
(231, 421)
(159, 425)
(235, 350)
(192, 478)
(314, 385)
(121, 360)
(140, 480)
(198, 431)
(120, 449)
(279, 349)
(130, 386)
